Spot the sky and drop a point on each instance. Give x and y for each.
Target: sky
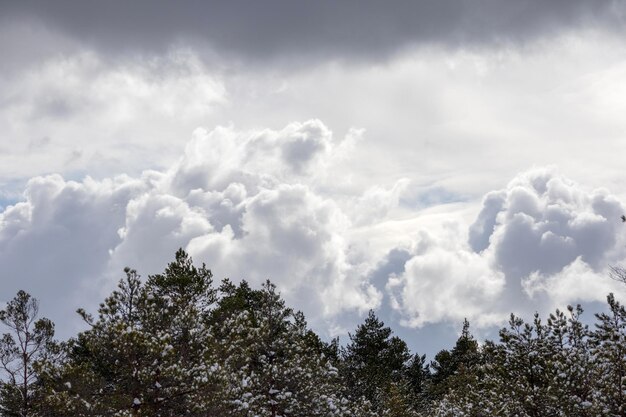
(433, 161)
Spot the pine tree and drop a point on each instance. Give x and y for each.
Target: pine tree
(571, 364)
(269, 363)
(536, 370)
(182, 297)
(609, 349)
(375, 363)
(454, 369)
(398, 401)
(28, 341)
(418, 375)
(148, 353)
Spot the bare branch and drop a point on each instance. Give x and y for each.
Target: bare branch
(618, 273)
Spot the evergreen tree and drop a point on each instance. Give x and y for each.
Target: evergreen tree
(148, 353)
(418, 375)
(269, 364)
(571, 364)
(609, 349)
(453, 369)
(375, 363)
(536, 370)
(29, 341)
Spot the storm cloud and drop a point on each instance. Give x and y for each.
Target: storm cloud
(279, 28)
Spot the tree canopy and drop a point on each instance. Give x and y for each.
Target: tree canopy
(175, 344)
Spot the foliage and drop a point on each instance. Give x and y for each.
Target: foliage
(377, 367)
(29, 341)
(174, 345)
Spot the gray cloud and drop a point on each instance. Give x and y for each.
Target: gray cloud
(545, 222)
(279, 27)
(55, 242)
(541, 242)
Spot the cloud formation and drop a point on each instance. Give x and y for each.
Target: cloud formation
(541, 242)
(256, 204)
(80, 113)
(279, 28)
(451, 98)
(243, 202)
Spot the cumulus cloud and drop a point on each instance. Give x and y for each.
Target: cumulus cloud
(260, 204)
(223, 156)
(55, 243)
(240, 201)
(445, 282)
(541, 242)
(546, 221)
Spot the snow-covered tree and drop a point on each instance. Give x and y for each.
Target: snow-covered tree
(148, 352)
(455, 368)
(537, 369)
(571, 364)
(609, 350)
(270, 365)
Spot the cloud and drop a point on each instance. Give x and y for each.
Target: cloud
(259, 157)
(234, 200)
(239, 202)
(79, 112)
(377, 202)
(55, 243)
(445, 282)
(543, 241)
(547, 221)
(418, 109)
(278, 28)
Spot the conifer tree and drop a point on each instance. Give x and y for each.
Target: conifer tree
(375, 363)
(418, 375)
(455, 368)
(148, 352)
(536, 370)
(28, 341)
(269, 364)
(571, 364)
(609, 349)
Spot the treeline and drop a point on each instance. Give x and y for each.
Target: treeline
(176, 344)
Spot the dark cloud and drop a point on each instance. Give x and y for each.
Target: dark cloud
(482, 228)
(365, 28)
(393, 264)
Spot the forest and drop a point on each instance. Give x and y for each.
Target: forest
(179, 344)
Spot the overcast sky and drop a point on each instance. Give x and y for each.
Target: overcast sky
(429, 160)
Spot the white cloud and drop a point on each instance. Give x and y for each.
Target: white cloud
(238, 202)
(55, 244)
(542, 242)
(444, 281)
(300, 152)
(78, 112)
(577, 282)
(68, 240)
(547, 221)
(442, 126)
